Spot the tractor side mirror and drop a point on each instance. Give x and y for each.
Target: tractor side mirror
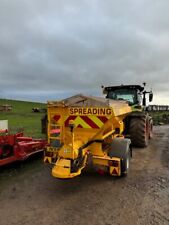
(150, 97)
(104, 90)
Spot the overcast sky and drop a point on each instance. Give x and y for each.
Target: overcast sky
(56, 48)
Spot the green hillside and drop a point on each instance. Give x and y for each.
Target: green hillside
(21, 116)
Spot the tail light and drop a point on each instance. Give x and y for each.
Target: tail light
(113, 163)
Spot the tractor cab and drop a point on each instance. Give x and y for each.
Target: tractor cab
(138, 124)
(133, 94)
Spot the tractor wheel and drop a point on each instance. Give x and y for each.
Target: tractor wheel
(139, 131)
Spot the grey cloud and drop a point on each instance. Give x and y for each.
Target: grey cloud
(65, 47)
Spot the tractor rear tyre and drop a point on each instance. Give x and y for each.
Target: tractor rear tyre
(139, 131)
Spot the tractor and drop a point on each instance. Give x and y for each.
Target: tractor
(138, 123)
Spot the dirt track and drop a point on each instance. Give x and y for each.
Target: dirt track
(29, 195)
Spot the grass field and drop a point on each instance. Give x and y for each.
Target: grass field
(21, 116)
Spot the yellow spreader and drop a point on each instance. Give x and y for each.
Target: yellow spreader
(86, 130)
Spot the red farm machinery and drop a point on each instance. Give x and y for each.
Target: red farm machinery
(17, 147)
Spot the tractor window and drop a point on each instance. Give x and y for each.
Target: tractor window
(124, 94)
